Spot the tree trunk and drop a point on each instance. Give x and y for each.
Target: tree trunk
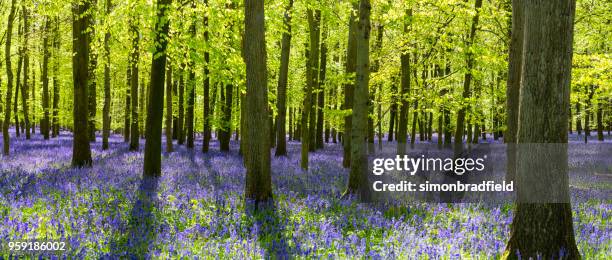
(56, 84)
(44, 127)
(128, 104)
(207, 114)
(321, 93)
(189, 120)
(393, 111)
(155, 105)
(181, 107)
(458, 145)
(18, 79)
(544, 230)
(314, 25)
(257, 154)
(281, 102)
(9, 78)
(578, 119)
(91, 75)
(134, 57)
(106, 124)
(350, 67)
(81, 153)
(358, 177)
(225, 132)
(600, 104)
(402, 131)
(168, 119)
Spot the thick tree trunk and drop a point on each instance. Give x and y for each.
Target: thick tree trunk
(281, 100)
(314, 25)
(257, 153)
(81, 153)
(155, 105)
(134, 57)
(402, 131)
(9, 78)
(350, 67)
(467, 81)
(358, 177)
(544, 230)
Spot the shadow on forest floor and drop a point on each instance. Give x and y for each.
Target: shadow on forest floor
(141, 233)
(270, 228)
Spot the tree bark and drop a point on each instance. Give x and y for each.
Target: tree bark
(257, 153)
(155, 105)
(544, 229)
(181, 107)
(189, 119)
(81, 153)
(513, 87)
(226, 131)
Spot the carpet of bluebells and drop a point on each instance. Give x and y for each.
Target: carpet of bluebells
(197, 208)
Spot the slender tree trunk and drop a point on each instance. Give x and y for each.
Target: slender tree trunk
(81, 153)
(393, 112)
(281, 102)
(168, 119)
(192, 86)
(350, 67)
(155, 105)
(134, 58)
(181, 108)
(600, 104)
(226, 132)
(321, 93)
(26, 66)
(44, 127)
(578, 118)
(18, 78)
(402, 131)
(207, 114)
(467, 81)
(257, 154)
(9, 79)
(128, 104)
(56, 83)
(107, 92)
(92, 79)
(544, 230)
(358, 177)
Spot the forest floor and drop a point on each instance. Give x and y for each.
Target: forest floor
(197, 208)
